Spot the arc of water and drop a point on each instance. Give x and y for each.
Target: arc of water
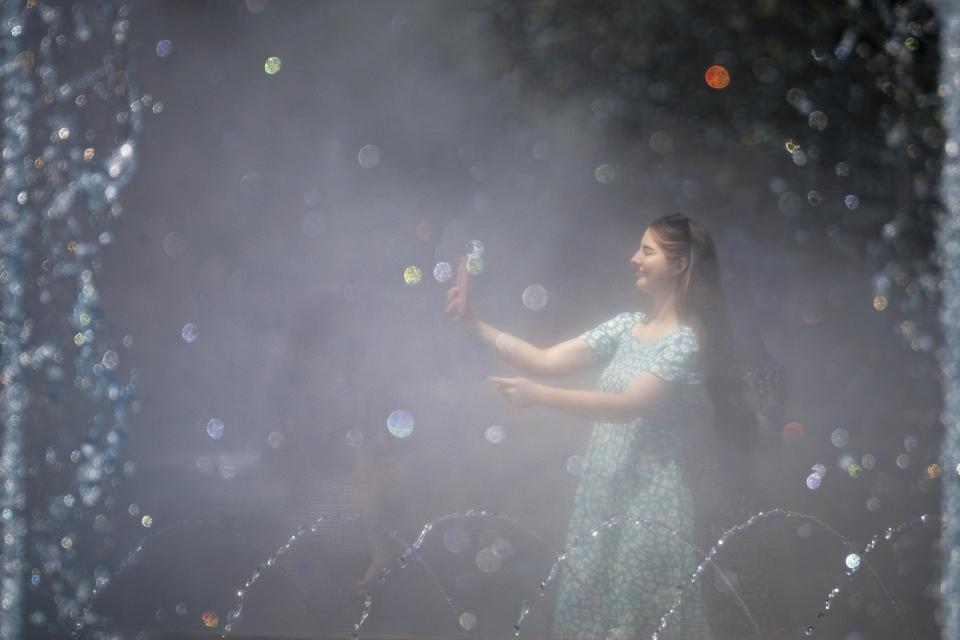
(501, 516)
(132, 555)
(888, 535)
(788, 513)
(525, 608)
(303, 598)
(426, 566)
(234, 615)
(483, 513)
(870, 568)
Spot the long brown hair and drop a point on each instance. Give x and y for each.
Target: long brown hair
(701, 303)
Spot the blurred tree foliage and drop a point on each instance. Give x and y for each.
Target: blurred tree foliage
(831, 98)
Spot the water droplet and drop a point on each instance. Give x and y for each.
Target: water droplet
(495, 434)
(369, 156)
(535, 297)
(400, 423)
(443, 272)
(272, 65)
(189, 332)
(468, 621)
(215, 428)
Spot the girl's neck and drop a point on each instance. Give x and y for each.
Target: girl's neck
(661, 313)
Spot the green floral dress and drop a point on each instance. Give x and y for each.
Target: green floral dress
(625, 579)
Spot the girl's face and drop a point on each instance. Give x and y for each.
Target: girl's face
(653, 271)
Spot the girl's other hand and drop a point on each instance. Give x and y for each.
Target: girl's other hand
(520, 392)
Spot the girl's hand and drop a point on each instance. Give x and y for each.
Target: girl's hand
(520, 392)
(467, 318)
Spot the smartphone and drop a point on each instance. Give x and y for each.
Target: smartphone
(462, 280)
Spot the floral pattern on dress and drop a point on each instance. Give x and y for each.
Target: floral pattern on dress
(620, 583)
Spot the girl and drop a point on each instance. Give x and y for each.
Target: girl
(668, 400)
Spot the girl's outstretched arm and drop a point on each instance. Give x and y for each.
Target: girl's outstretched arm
(564, 358)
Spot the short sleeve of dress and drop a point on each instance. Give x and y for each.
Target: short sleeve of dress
(678, 359)
(604, 338)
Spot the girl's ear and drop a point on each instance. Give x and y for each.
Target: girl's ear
(684, 263)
